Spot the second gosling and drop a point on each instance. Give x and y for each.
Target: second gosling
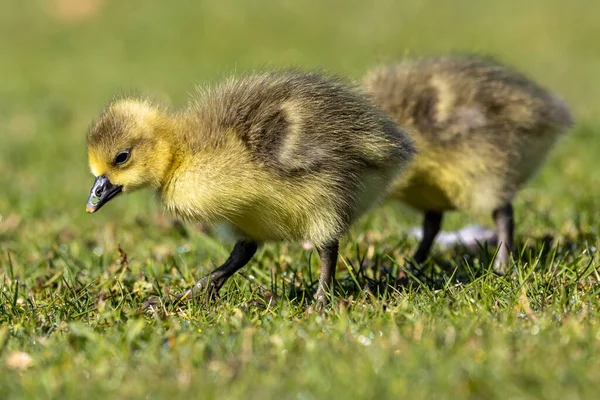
(481, 130)
(277, 156)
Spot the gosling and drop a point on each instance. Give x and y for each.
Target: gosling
(481, 130)
(275, 156)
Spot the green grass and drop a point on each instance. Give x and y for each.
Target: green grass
(70, 299)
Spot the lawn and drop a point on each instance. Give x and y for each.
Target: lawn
(72, 283)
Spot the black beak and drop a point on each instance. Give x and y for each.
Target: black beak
(101, 193)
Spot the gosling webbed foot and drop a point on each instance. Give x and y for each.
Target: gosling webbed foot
(321, 300)
(152, 304)
(206, 288)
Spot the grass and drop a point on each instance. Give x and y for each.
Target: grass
(71, 284)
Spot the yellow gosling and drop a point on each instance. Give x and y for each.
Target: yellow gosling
(278, 156)
(481, 130)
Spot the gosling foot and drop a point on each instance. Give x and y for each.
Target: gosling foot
(321, 300)
(203, 289)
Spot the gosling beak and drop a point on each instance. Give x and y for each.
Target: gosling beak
(101, 193)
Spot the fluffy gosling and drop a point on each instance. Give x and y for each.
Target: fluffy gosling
(276, 156)
(481, 130)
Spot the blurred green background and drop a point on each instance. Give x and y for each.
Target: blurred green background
(61, 60)
(63, 303)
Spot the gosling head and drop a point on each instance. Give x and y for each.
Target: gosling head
(128, 148)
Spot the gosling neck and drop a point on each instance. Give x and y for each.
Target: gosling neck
(170, 147)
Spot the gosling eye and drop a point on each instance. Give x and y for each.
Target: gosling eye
(122, 157)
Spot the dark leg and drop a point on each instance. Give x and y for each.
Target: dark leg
(328, 254)
(431, 227)
(505, 226)
(210, 284)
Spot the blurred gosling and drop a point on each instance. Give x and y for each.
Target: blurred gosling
(481, 130)
(276, 156)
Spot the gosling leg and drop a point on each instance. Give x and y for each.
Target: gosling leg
(505, 226)
(328, 254)
(432, 223)
(240, 255)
